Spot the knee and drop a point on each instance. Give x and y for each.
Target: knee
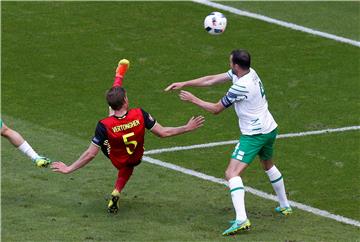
(229, 174)
(267, 164)
(5, 132)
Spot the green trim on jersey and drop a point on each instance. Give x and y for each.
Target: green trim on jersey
(1, 123)
(251, 145)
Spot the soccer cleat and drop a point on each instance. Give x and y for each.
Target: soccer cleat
(122, 67)
(284, 211)
(113, 205)
(42, 161)
(237, 226)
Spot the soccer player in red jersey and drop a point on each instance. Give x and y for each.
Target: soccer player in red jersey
(121, 136)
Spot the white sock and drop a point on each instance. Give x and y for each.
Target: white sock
(277, 183)
(237, 196)
(28, 150)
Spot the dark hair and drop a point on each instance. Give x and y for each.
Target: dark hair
(241, 58)
(115, 97)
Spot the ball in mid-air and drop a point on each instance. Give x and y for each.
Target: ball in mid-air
(215, 23)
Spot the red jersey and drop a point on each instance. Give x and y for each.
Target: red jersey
(122, 138)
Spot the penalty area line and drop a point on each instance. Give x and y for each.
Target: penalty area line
(253, 191)
(280, 136)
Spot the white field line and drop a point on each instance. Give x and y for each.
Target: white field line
(256, 192)
(281, 136)
(278, 22)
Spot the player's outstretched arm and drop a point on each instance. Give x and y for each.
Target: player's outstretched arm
(192, 124)
(200, 82)
(214, 108)
(84, 159)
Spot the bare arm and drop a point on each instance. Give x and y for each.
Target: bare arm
(84, 159)
(193, 123)
(214, 108)
(200, 82)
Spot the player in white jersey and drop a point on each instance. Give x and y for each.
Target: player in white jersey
(257, 126)
(248, 96)
(18, 141)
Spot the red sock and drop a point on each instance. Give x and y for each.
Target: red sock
(118, 81)
(120, 73)
(123, 176)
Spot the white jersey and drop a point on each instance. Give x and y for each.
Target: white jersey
(248, 96)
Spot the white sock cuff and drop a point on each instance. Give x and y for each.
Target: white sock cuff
(274, 174)
(28, 150)
(235, 182)
(24, 146)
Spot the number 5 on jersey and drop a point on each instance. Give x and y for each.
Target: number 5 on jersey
(127, 142)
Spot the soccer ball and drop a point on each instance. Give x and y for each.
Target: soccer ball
(215, 23)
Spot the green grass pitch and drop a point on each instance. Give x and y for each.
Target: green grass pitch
(58, 60)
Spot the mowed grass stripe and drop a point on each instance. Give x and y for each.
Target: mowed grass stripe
(58, 138)
(287, 89)
(279, 22)
(281, 136)
(208, 50)
(254, 191)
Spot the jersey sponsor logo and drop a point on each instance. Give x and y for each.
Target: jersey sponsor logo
(107, 145)
(126, 126)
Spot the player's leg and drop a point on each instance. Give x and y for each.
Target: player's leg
(232, 174)
(124, 175)
(18, 141)
(278, 185)
(14, 137)
(121, 69)
(274, 174)
(244, 153)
